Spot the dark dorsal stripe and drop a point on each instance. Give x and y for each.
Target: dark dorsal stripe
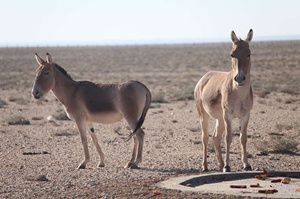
(63, 71)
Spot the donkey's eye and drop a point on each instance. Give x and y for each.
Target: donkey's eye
(248, 55)
(46, 73)
(232, 55)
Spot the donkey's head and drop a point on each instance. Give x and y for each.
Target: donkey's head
(240, 54)
(44, 80)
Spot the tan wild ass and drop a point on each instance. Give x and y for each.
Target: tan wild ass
(224, 96)
(87, 102)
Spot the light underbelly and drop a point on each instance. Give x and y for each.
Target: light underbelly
(106, 118)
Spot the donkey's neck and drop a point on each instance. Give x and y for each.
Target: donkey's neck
(64, 87)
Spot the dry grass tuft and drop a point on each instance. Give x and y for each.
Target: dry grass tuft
(118, 130)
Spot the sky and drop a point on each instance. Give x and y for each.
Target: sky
(94, 22)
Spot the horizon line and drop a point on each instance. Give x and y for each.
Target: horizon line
(142, 42)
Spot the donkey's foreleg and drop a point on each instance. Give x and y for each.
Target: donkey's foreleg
(81, 124)
(228, 140)
(243, 138)
(217, 141)
(96, 143)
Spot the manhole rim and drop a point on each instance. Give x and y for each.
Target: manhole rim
(175, 183)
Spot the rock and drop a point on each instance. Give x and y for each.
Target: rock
(41, 178)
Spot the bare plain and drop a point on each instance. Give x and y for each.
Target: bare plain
(38, 157)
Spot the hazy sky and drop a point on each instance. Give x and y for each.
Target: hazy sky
(50, 22)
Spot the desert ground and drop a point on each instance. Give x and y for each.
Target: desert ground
(38, 158)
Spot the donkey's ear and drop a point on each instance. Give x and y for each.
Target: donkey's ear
(48, 58)
(249, 36)
(39, 60)
(234, 38)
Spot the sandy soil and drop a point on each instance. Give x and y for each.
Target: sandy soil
(39, 160)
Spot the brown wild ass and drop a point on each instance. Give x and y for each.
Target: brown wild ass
(224, 96)
(87, 102)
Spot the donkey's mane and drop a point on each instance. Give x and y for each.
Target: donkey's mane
(63, 71)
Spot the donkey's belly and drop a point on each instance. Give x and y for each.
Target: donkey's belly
(214, 110)
(106, 117)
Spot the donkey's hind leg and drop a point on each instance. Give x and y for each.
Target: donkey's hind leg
(96, 143)
(132, 115)
(204, 125)
(131, 164)
(140, 137)
(132, 120)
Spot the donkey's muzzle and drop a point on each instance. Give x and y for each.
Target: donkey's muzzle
(240, 79)
(36, 94)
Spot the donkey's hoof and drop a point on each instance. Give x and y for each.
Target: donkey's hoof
(131, 166)
(226, 169)
(101, 164)
(81, 166)
(134, 166)
(247, 168)
(127, 165)
(204, 169)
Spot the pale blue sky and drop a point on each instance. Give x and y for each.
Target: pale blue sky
(51, 22)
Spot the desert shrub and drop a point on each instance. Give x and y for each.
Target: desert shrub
(194, 129)
(2, 103)
(19, 100)
(155, 105)
(282, 127)
(158, 98)
(60, 115)
(17, 120)
(36, 118)
(263, 94)
(278, 144)
(65, 133)
(289, 90)
(284, 145)
(185, 93)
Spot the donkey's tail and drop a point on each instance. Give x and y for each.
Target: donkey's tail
(142, 118)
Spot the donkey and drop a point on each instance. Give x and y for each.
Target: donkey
(224, 96)
(87, 102)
